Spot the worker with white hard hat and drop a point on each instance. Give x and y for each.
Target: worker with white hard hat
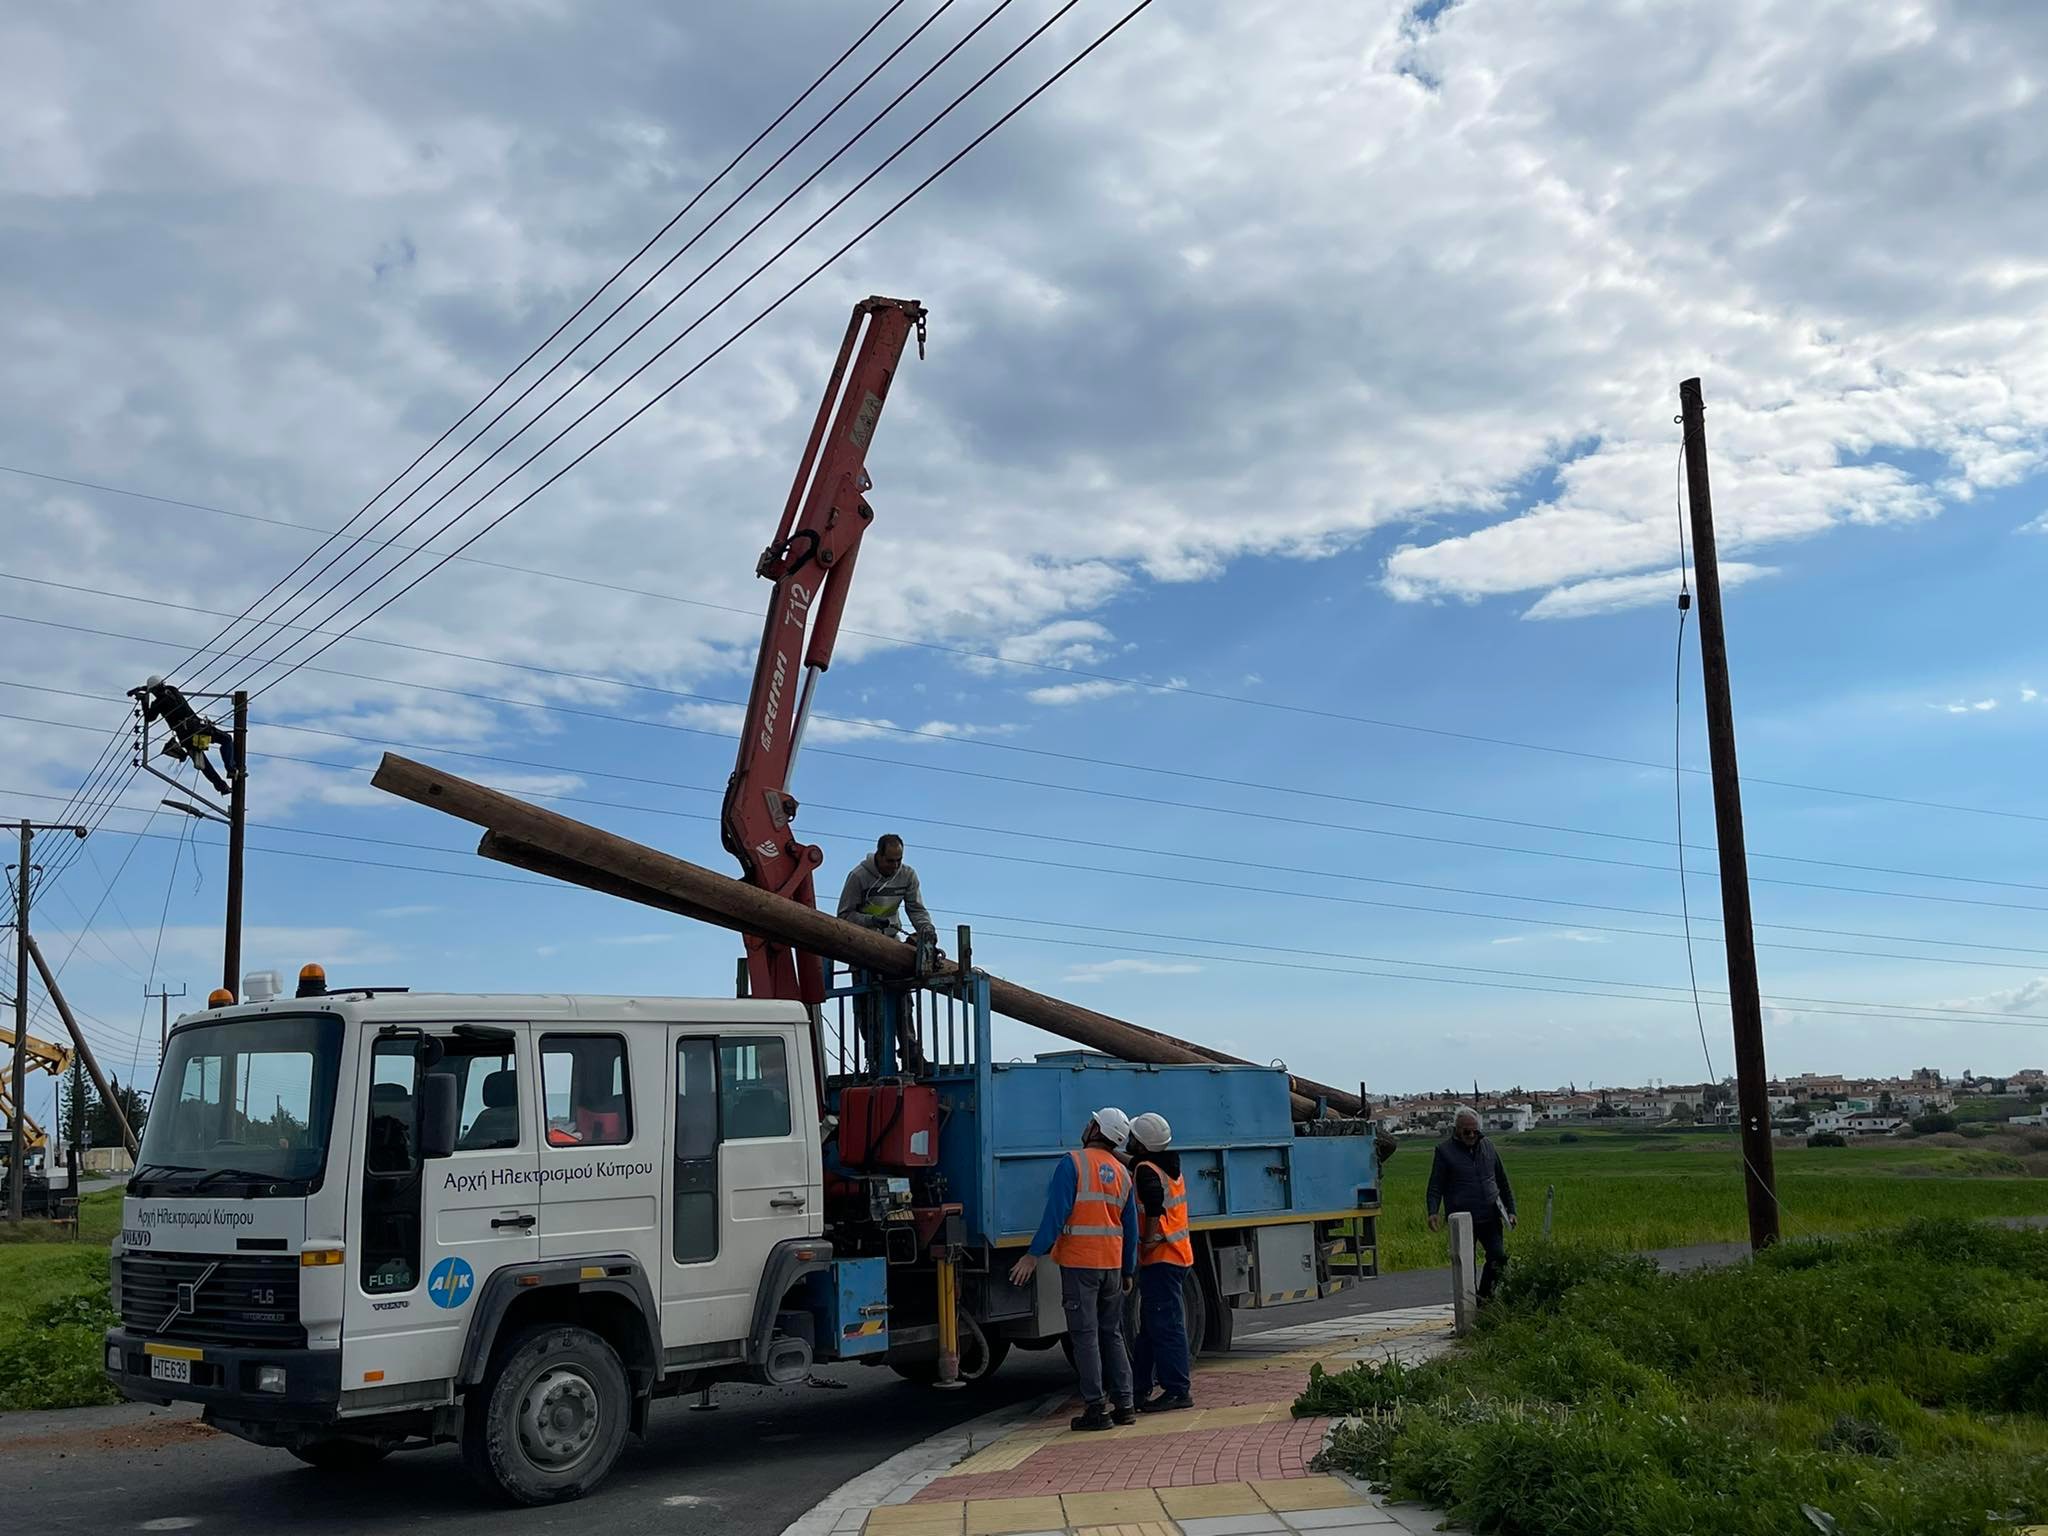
(1166, 1257)
(1090, 1229)
(189, 737)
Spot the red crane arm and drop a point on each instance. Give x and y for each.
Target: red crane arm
(811, 563)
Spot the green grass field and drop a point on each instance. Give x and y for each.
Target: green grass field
(1894, 1384)
(53, 1309)
(1650, 1189)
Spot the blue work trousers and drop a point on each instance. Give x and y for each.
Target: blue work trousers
(1162, 1346)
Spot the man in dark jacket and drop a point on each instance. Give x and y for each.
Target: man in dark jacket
(189, 737)
(1467, 1176)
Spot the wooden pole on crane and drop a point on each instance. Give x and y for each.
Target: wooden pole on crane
(547, 843)
(83, 1047)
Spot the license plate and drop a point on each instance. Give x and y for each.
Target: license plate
(179, 1371)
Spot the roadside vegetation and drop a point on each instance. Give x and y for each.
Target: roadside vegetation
(1648, 1189)
(1894, 1384)
(54, 1309)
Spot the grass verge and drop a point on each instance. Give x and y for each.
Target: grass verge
(1894, 1384)
(54, 1309)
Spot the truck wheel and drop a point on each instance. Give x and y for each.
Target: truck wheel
(340, 1455)
(549, 1420)
(1195, 1307)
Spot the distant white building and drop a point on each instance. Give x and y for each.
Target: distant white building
(1507, 1119)
(2040, 1119)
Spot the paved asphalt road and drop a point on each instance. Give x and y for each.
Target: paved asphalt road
(750, 1468)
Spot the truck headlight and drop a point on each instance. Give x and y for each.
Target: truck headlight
(114, 1357)
(270, 1378)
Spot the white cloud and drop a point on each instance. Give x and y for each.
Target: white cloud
(1559, 936)
(2028, 997)
(1612, 594)
(1076, 693)
(2038, 525)
(2029, 695)
(1100, 970)
(1966, 707)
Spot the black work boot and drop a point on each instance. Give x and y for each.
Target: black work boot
(1097, 1417)
(1166, 1402)
(1125, 1414)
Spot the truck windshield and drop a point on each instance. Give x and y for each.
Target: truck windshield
(242, 1107)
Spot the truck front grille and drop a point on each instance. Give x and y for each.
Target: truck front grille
(234, 1298)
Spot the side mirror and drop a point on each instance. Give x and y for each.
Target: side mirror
(440, 1115)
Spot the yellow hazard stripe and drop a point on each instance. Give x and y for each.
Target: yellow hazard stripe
(173, 1352)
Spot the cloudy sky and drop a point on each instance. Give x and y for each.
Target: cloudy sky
(1267, 630)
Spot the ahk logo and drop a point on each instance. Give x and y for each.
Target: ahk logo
(450, 1283)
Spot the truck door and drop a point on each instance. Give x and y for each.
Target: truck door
(600, 1151)
(430, 1234)
(743, 1175)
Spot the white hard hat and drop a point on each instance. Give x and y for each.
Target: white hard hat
(1114, 1124)
(154, 680)
(1151, 1132)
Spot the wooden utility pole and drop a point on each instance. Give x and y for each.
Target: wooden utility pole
(163, 996)
(83, 1047)
(17, 1170)
(1752, 1089)
(238, 811)
(548, 843)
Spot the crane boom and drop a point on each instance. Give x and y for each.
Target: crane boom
(810, 561)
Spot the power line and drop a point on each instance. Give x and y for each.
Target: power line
(1236, 886)
(761, 315)
(998, 659)
(1225, 811)
(1077, 789)
(589, 373)
(559, 329)
(1823, 1004)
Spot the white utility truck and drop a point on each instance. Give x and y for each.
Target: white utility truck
(370, 1220)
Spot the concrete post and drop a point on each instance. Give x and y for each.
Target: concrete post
(1464, 1274)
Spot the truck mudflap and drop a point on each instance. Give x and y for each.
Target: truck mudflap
(611, 1275)
(303, 1385)
(772, 1353)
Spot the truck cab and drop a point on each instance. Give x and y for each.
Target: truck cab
(354, 1215)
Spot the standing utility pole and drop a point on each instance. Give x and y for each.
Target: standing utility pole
(163, 997)
(17, 1170)
(238, 806)
(1751, 1083)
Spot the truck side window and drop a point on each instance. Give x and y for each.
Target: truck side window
(391, 1172)
(696, 1142)
(588, 1099)
(488, 1078)
(754, 1081)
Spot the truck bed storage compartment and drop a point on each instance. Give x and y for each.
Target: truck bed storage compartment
(889, 1125)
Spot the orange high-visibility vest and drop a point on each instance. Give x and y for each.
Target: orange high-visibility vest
(1164, 1239)
(1093, 1237)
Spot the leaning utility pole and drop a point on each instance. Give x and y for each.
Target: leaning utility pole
(238, 809)
(17, 1170)
(163, 997)
(1752, 1088)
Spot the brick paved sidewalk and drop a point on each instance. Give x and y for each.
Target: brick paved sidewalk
(1236, 1465)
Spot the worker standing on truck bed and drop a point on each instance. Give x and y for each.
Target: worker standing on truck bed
(1091, 1230)
(1467, 1175)
(1166, 1253)
(876, 889)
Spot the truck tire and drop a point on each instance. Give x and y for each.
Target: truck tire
(549, 1419)
(1194, 1307)
(340, 1455)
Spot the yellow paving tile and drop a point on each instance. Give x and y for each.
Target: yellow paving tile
(1250, 1413)
(1215, 1499)
(917, 1519)
(1306, 1493)
(992, 1517)
(1140, 1528)
(1000, 1457)
(1130, 1505)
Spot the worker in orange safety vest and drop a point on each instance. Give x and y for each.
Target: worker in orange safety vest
(1166, 1257)
(1090, 1229)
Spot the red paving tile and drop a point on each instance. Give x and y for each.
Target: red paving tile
(1234, 1453)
